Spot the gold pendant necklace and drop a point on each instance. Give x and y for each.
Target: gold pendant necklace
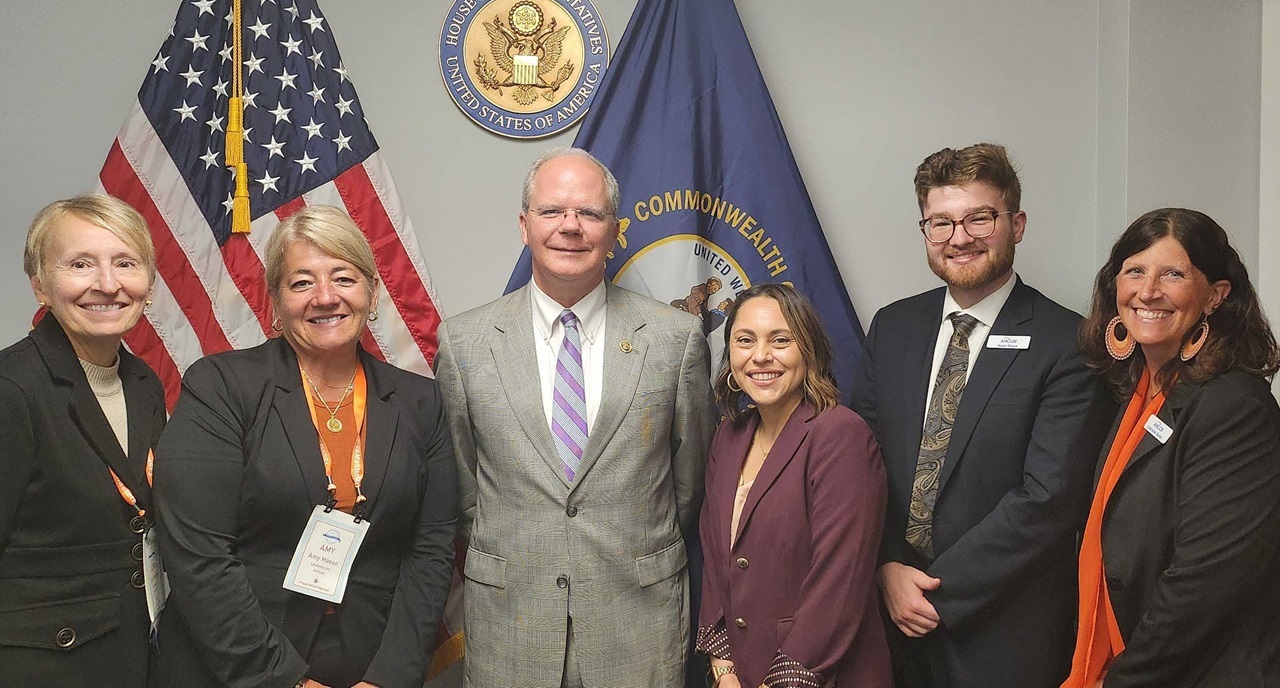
(333, 423)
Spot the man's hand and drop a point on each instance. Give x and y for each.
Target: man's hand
(903, 588)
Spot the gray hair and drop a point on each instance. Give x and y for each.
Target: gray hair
(329, 229)
(610, 182)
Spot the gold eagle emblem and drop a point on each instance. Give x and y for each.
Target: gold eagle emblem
(527, 52)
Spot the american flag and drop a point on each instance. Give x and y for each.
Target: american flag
(306, 142)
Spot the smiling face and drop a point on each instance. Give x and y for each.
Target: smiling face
(765, 358)
(1161, 295)
(323, 302)
(973, 268)
(95, 284)
(568, 248)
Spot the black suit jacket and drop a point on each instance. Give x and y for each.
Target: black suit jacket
(238, 472)
(67, 553)
(1012, 492)
(1191, 543)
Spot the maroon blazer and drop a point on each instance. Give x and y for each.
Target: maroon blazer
(796, 594)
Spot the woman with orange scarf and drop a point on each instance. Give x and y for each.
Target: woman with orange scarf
(1182, 545)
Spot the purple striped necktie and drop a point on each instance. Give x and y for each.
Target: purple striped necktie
(569, 398)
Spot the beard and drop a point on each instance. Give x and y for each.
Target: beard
(996, 263)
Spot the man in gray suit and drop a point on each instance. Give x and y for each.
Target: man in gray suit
(581, 415)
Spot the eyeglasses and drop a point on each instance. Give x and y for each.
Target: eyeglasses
(587, 216)
(979, 224)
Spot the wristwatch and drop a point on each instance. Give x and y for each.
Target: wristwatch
(718, 672)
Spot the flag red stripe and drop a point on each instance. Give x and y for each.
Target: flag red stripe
(288, 209)
(398, 274)
(146, 344)
(120, 180)
(246, 271)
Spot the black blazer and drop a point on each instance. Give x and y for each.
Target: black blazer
(1191, 543)
(67, 553)
(1012, 493)
(238, 472)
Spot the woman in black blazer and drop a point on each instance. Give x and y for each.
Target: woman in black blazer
(77, 410)
(1181, 553)
(262, 437)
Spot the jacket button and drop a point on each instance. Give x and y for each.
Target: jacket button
(138, 524)
(137, 552)
(740, 622)
(742, 562)
(1115, 583)
(562, 582)
(66, 638)
(572, 511)
(137, 580)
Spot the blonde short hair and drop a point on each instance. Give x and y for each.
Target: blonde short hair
(329, 229)
(107, 212)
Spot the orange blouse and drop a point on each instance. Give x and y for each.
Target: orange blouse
(1098, 639)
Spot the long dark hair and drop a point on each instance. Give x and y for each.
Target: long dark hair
(1239, 336)
(819, 386)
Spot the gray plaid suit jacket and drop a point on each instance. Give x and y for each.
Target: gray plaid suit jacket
(606, 549)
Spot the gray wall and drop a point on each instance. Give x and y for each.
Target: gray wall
(1110, 108)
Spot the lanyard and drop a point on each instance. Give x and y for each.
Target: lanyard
(125, 492)
(358, 398)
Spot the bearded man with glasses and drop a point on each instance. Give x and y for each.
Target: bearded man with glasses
(989, 422)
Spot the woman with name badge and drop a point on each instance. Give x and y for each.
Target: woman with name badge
(80, 415)
(1181, 551)
(306, 491)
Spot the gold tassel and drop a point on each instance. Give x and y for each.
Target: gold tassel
(240, 220)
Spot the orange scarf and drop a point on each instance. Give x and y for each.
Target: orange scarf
(1098, 639)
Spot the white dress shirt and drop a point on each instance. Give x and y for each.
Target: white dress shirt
(549, 334)
(985, 311)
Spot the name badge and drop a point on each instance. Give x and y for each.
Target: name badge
(1158, 429)
(1009, 341)
(326, 550)
(154, 578)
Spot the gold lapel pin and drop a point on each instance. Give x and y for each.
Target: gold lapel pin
(624, 346)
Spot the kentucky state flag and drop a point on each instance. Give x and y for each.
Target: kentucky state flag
(712, 200)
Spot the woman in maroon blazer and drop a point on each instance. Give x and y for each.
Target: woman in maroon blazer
(794, 509)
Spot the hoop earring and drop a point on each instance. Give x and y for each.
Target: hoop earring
(1196, 343)
(373, 315)
(732, 384)
(1119, 349)
(277, 325)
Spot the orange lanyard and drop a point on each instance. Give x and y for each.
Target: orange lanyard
(359, 395)
(125, 492)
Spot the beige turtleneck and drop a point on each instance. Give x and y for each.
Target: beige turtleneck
(106, 386)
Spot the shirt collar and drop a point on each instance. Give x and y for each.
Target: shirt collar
(589, 309)
(985, 310)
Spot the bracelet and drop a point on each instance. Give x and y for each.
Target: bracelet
(718, 672)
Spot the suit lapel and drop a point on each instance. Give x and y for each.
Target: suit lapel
(621, 375)
(1169, 412)
(83, 407)
(990, 368)
(145, 414)
(381, 421)
(516, 360)
(780, 455)
(290, 402)
(915, 354)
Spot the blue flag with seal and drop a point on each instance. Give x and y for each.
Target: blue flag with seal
(712, 200)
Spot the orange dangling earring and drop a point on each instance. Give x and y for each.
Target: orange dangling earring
(1119, 349)
(1196, 343)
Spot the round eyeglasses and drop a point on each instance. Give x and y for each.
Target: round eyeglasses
(979, 224)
